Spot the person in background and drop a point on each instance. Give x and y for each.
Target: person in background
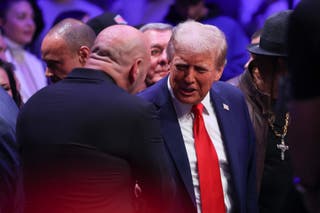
(9, 82)
(16, 20)
(3, 47)
(253, 13)
(229, 8)
(138, 12)
(97, 140)
(214, 169)
(11, 193)
(255, 38)
(104, 20)
(52, 8)
(304, 104)
(260, 85)
(237, 40)
(158, 35)
(8, 79)
(66, 46)
(39, 22)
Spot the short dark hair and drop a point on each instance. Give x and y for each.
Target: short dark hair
(75, 33)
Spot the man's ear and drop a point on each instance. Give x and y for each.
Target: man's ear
(219, 72)
(257, 78)
(134, 71)
(83, 53)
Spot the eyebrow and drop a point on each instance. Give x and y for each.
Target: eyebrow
(157, 46)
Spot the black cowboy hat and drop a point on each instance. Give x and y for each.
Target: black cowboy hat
(273, 40)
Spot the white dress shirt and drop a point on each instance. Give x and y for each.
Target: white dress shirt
(185, 118)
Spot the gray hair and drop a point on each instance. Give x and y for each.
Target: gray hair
(156, 26)
(192, 35)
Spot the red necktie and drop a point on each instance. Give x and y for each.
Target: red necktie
(211, 192)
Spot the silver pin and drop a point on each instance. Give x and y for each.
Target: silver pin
(226, 107)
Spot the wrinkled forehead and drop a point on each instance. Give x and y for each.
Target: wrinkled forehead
(19, 6)
(193, 48)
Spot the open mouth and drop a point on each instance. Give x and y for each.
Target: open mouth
(187, 91)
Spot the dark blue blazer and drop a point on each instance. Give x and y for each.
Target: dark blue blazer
(237, 135)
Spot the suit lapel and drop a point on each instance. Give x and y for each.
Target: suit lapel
(173, 138)
(225, 117)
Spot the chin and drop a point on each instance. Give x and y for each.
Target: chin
(188, 100)
(25, 41)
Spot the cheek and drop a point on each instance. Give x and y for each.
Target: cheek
(177, 76)
(205, 83)
(14, 24)
(69, 64)
(64, 70)
(14, 30)
(172, 79)
(153, 61)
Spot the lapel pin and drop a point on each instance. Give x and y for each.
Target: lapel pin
(226, 107)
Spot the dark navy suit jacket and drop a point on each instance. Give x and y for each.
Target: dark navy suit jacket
(237, 135)
(85, 144)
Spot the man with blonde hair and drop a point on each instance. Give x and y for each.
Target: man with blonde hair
(212, 153)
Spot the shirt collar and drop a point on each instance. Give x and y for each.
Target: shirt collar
(183, 109)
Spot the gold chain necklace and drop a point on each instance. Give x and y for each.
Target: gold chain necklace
(283, 147)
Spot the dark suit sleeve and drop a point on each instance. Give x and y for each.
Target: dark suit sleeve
(150, 162)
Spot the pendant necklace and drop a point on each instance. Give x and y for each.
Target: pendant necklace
(282, 146)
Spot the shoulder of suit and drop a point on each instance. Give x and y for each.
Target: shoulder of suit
(225, 88)
(155, 90)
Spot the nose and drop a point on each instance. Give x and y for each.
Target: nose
(31, 23)
(163, 59)
(189, 75)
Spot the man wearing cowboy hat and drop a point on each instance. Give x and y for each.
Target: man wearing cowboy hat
(260, 85)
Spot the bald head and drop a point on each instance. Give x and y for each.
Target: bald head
(74, 32)
(123, 53)
(66, 46)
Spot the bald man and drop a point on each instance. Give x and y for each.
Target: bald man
(66, 46)
(97, 140)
